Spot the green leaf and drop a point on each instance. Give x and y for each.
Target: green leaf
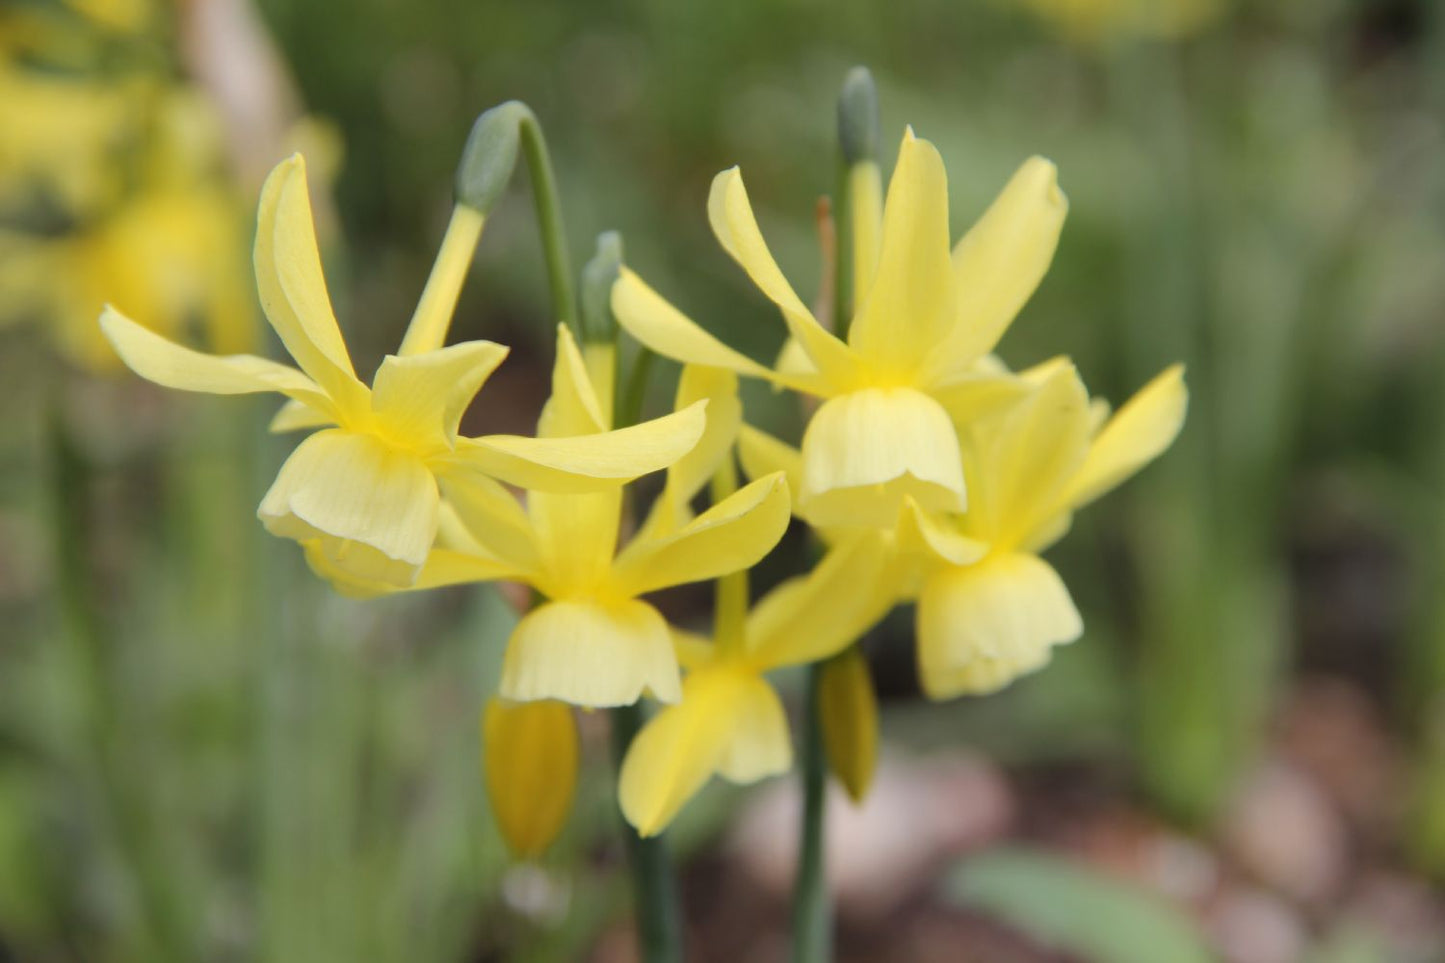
(1075, 909)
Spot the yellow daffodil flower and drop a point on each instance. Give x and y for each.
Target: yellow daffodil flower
(1093, 21)
(1030, 465)
(530, 757)
(364, 488)
(730, 721)
(925, 318)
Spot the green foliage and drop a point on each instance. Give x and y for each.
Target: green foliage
(1076, 910)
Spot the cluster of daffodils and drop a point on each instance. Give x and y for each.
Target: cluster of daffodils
(929, 473)
(113, 184)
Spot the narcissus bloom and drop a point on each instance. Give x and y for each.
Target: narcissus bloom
(594, 642)
(730, 721)
(1094, 21)
(364, 489)
(925, 317)
(1030, 464)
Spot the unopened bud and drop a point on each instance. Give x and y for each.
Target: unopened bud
(490, 155)
(530, 754)
(858, 117)
(848, 715)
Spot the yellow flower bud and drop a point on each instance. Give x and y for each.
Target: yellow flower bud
(848, 713)
(530, 752)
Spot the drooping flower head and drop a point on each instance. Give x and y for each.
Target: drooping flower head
(925, 316)
(1030, 463)
(364, 488)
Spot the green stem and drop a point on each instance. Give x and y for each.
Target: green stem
(812, 909)
(659, 922)
(549, 224)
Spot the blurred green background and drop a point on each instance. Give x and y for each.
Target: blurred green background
(206, 755)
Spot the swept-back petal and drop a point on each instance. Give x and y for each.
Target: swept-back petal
(530, 754)
(493, 519)
(936, 535)
(299, 416)
(574, 407)
(173, 366)
(731, 215)
(762, 454)
(292, 286)
(418, 399)
(1019, 461)
(719, 388)
(810, 617)
(732, 535)
(1136, 435)
(728, 720)
(591, 653)
(443, 567)
(585, 462)
(372, 508)
(911, 304)
(651, 319)
(1001, 260)
(982, 626)
(864, 451)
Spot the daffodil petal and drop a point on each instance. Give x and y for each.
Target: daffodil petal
(172, 366)
(418, 399)
(1002, 259)
(911, 304)
(935, 535)
(1019, 461)
(731, 215)
(443, 567)
(585, 462)
(982, 626)
(574, 407)
(1146, 425)
(719, 388)
(292, 286)
(810, 617)
(732, 535)
(728, 719)
(591, 653)
(864, 450)
(372, 508)
(652, 320)
(762, 454)
(298, 416)
(493, 519)
(531, 752)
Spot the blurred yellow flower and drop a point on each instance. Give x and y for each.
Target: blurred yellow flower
(1030, 463)
(1092, 21)
(730, 721)
(530, 754)
(364, 489)
(924, 319)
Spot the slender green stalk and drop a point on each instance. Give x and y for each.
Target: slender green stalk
(549, 224)
(659, 922)
(812, 909)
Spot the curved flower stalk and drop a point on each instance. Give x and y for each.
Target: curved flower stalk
(730, 721)
(925, 318)
(364, 488)
(1030, 465)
